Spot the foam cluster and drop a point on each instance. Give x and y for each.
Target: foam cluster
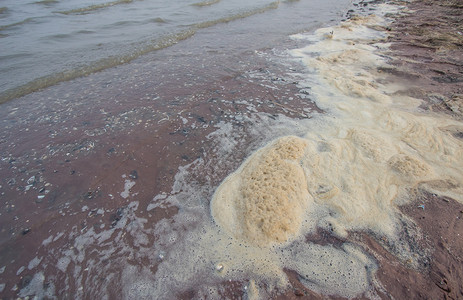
(265, 200)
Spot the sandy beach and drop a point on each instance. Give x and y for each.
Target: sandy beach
(107, 179)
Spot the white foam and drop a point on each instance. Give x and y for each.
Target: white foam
(63, 263)
(20, 270)
(36, 288)
(34, 263)
(128, 184)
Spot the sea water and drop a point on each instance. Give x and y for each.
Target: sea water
(48, 41)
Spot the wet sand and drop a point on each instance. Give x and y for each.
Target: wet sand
(67, 151)
(75, 155)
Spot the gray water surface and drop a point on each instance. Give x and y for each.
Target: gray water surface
(46, 42)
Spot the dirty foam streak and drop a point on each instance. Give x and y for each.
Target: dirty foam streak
(346, 170)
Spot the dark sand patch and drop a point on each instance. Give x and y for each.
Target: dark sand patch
(427, 48)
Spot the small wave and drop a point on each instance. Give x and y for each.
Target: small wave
(103, 64)
(241, 15)
(85, 31)
(59, 36)
(12, 56)
(206, 3)
(106, 63)
(46, 2)
(122, 23)
(158, 20)
(91, 8)
(16, 24)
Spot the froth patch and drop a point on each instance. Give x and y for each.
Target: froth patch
(264, 201)
(410, 167)
(326, 269)
(348, 179)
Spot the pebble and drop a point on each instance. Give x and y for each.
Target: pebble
(219, 267)
(133, 174)
(31, 180)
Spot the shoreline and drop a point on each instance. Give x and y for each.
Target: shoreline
(93, 146)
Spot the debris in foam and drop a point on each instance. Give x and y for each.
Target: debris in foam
(219, 267)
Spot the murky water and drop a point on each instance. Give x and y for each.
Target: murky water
(45, 42)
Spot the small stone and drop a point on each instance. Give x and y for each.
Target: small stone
(219, 267)
(133, 174)
(31, 180)
(117, 216)
(26, 281)
(26, 231)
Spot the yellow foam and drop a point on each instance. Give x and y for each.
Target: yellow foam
(267, 196)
